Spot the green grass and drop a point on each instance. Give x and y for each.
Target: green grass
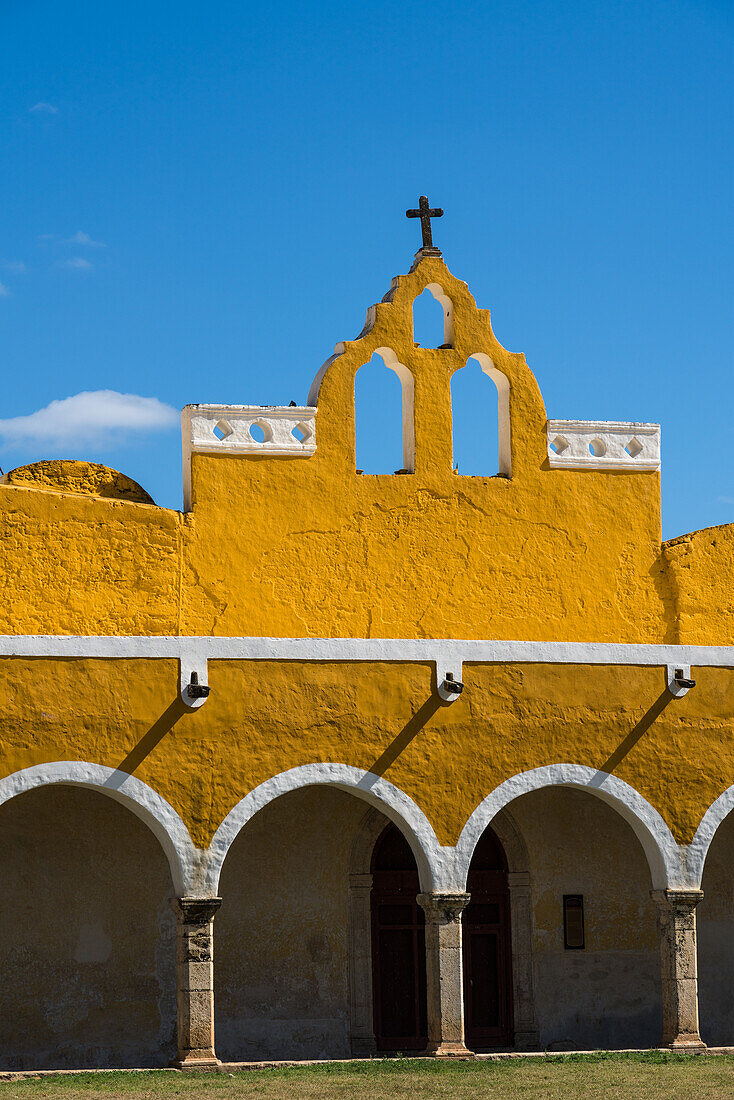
(655, 1075)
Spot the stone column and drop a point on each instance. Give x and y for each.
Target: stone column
(362, 1026)
(444, 974)
(677, 930)
(527, 1036)
(195, 982)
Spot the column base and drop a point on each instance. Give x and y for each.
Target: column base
(527, 1040)
(449, 1050)
(197, 1059)
(362, 1047)
(687, 1046)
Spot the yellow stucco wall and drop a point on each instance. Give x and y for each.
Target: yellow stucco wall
(383, 718)
(309, 548)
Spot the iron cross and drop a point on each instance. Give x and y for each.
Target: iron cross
(425, 214)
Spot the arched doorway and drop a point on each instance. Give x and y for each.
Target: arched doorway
(715, 930)
(398, 946)
(87, 935)
(487, 948)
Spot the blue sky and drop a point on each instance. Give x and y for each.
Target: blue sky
(200, 200)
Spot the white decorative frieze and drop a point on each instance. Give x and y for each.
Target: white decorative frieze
(251, 429)
(603, 445)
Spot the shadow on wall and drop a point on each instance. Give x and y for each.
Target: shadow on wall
(163, 725)
(87, 935)
(636, 732)
(411, 729)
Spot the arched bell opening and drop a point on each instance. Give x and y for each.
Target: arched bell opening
(480, 419)
(433, 319)
(398, 946)
(384, 416)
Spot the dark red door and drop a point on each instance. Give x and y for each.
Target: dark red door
(398, 946)
(487, 949)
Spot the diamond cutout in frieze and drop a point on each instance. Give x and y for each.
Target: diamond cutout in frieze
(222, 429)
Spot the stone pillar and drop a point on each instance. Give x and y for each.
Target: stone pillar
(195, 982)
(362, 1025)
(527, 1036)
(677, 930)
(445, 974)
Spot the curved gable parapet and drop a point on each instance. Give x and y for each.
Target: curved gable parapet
(285, 537)
(468, 333)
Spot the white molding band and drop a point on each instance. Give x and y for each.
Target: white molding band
(445, 653)
(603, 445)
(663, 853)
(183, 858)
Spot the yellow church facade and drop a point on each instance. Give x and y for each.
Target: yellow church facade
(335, 764)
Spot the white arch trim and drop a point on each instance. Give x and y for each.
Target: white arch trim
(663, 854)
(696, 852)
(142, 800)
(435, 863)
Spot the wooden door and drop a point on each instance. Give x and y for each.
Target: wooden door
(487, 949)
(398, 946)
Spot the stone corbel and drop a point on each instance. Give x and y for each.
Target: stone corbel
(448, 679)
(193, 680)
(679, 680)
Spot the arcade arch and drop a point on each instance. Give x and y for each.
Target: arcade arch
(715, 932)
(87, 934)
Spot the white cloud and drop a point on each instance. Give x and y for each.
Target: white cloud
(78, 238)
(83, 238)
(43, 109)
(16, 266)
(4, 291)
(725, 500)
(96, 417)
(76, 263)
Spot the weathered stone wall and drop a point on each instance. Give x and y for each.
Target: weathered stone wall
(280, 956)
(715, 918)
(607, 995)
(86, 935)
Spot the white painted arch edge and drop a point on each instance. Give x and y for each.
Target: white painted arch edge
(436, 865)
(695, 853)
(663, 854)
(153, 810)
